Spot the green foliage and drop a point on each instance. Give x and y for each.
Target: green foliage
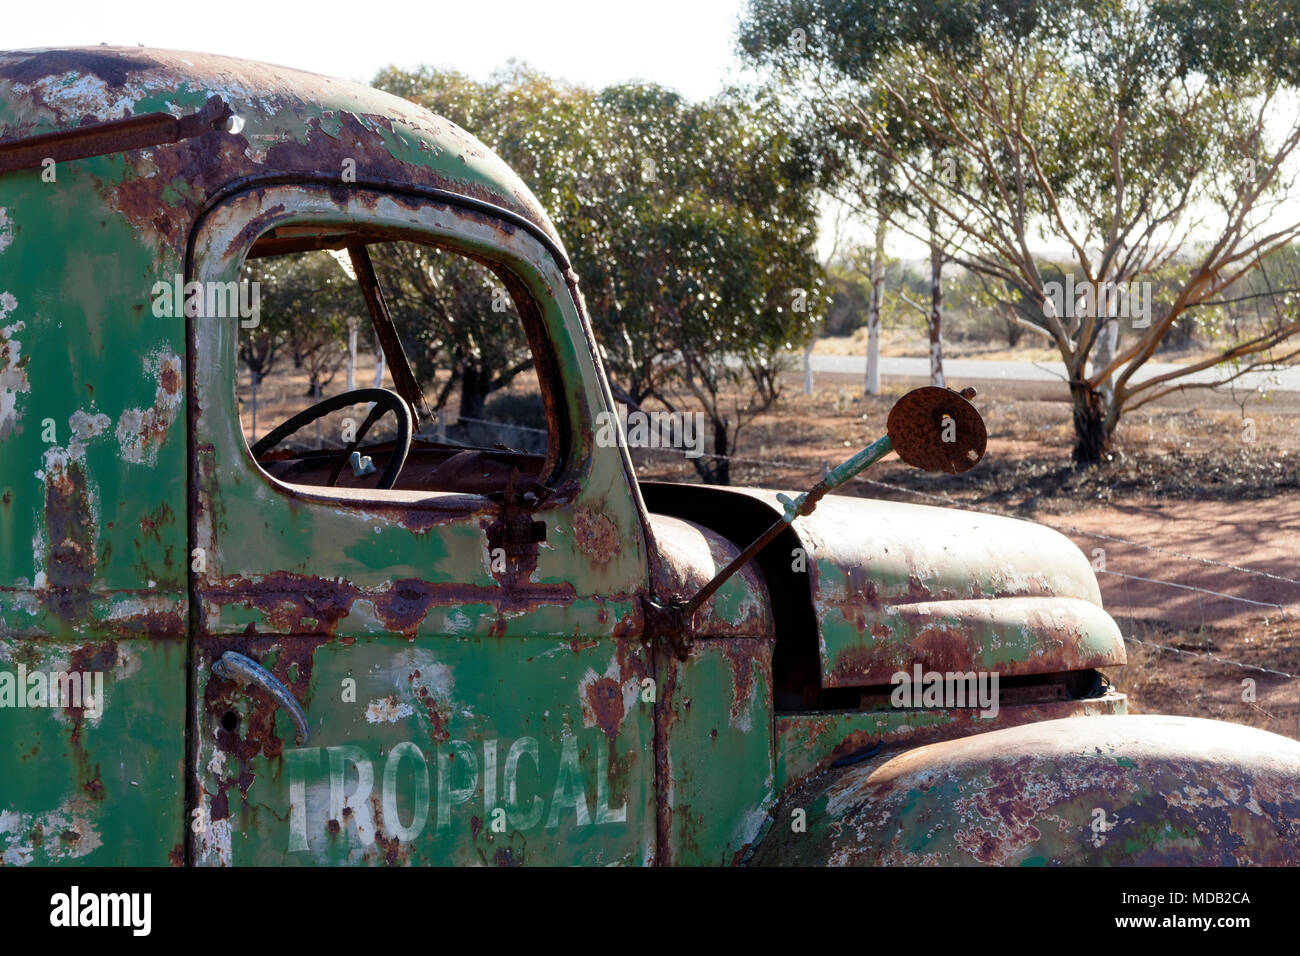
(306, 303)
(454, 315)
(1108, 127)
(850, 298)
(690, 225)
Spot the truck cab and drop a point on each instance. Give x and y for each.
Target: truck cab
(459, 654)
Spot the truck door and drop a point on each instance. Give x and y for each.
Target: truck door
(465, 646)
(93, 599)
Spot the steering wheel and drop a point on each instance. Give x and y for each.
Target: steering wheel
(385, 400)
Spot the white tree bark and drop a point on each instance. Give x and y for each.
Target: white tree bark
(352, 353)
(252, 382)
(873, 310)
(936, 308)
(1106, 303)
(379, 366)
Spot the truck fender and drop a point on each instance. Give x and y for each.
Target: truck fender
(1137, 790)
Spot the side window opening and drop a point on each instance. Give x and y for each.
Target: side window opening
(458, 353)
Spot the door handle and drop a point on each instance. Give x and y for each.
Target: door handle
(244, 671)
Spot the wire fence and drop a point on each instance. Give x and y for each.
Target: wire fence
(1286, 610)
(949, 501)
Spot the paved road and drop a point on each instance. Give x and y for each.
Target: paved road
(957, 370)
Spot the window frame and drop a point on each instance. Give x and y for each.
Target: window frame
(534, 276)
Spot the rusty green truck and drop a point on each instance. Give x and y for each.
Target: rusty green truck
(217, 651)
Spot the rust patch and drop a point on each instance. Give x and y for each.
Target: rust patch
(918, 423)
(394, 853)
(951, 637)
(94, 787)
(298, 604)
(391, 846)
(156, 624)
(101, 657)
(827, 734)
(505, 857)
(438, 731)
(361, 138)
(1174, 791)
(405, 605)
(745, 656)
(605, 698)
(151, 522)
(112, 68)
(596, 536)
(70, 526)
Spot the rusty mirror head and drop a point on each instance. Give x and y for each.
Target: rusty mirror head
(938, 429)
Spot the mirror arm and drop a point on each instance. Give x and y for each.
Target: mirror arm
(794, 508)
(672, 621)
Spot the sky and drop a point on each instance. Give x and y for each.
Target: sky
(685, 44)
(688, 45)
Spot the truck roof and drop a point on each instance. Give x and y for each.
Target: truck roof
(109, 157)
(293, 122)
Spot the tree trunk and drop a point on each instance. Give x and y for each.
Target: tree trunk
(721, 472)
(807, 369)
(1014, 329)
(352, 354)
(380, 365)
(252, 375)
(1090, 436)
(473, 391)
(715, 469)
(936, 308)
(1107, 341)
(873, 310)
(316, 387)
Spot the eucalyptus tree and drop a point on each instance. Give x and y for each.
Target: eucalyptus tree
(1135, 134)
(690, 225)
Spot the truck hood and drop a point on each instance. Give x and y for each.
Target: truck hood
(897, 585)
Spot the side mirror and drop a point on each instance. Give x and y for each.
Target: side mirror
(932, 428)
(937, 429)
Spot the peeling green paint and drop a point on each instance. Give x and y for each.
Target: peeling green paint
(430, 678)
